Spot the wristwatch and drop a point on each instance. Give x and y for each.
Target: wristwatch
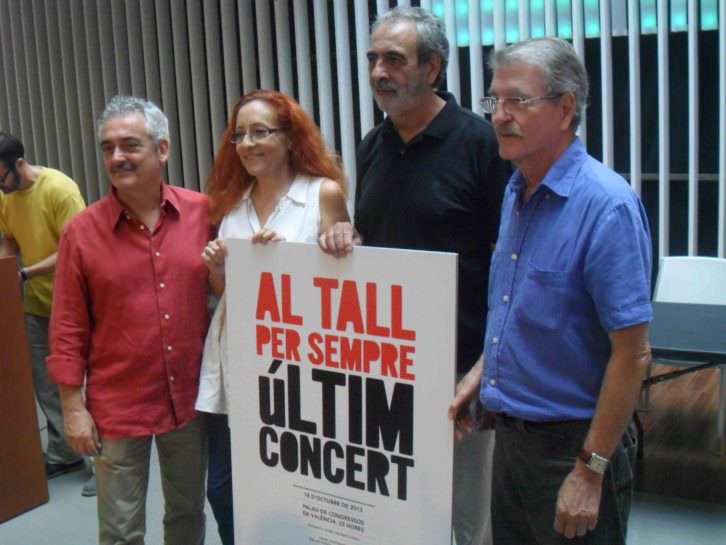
(23, 275)
(593, 461)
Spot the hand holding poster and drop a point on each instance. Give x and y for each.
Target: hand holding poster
(340, 371)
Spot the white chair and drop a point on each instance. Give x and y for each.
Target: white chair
(697, 280)
(694, 280)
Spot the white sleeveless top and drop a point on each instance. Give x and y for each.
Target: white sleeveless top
(296, 218)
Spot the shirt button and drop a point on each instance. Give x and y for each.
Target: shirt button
(141, 227)
(492, 382)
(505, 298)
(168, 348)
(171, 378)
(157, 253)
(495, 340)
(166, 316)
(514, 257)
(162, 285)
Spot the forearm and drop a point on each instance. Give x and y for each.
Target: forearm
(71, 398)
(216, 282)
(44, 266)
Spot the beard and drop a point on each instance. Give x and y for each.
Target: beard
(400, 98)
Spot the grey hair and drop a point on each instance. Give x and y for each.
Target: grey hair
(155, 122)
(430, 34)
(563, 71)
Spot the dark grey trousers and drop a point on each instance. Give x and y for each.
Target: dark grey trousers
(531, 460)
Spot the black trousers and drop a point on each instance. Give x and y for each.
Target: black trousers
(531, 460)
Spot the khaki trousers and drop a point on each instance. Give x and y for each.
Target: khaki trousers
(122, 476)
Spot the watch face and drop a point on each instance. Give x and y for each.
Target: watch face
(597, 463)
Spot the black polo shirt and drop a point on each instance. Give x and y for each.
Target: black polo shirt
(441, 191)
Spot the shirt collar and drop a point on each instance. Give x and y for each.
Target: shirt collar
(561, 175)
(117, 212)
(440, 125)
(297, 192)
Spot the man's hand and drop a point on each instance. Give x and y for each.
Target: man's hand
(466, 390)
(80, 429)
(578, 502)
(81, 432)
(339, 239)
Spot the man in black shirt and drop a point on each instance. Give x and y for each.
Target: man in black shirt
(429, 178)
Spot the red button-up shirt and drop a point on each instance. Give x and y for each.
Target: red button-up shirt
(129, 313)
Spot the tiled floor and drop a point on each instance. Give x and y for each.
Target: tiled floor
(70, 519)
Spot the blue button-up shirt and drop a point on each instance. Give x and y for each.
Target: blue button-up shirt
(571, 264)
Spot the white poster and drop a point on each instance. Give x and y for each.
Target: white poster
(341, 371)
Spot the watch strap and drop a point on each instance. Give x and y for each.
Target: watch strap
(593, 461)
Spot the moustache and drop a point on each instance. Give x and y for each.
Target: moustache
(385, 85)
(508, 130)
(123, 167)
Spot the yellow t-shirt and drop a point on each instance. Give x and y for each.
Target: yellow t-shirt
(35, 217)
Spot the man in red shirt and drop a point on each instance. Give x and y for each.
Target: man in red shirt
(129, 319)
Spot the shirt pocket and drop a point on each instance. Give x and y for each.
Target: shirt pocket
(543, 299)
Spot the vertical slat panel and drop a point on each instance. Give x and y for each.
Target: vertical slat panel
(365, 97)
(500, 25)
(722, 129)
(284, 51)
(33, 80)
(72, 130)
(523, 18)
(99, 185)
(426, 4)
(452, 71)
(550, 13)
(135, 44)
(247, 43)
(230, 56)
(381, 6)
(5, 61)
(693, 129)
(322, 64)
(403, 3)
(476, 69)
(86, 145)
(302, 46)
(55, 61)
(185, 105)
(120, 35)
(150, 50)
(200, 102)
(606, 85)
(634, 96)
(169, 87)
(108, 55)
(578, 42)
(345, 92)
(264, 44)
(22, 102)
(45, 83)
(215, 76)
(663, 133)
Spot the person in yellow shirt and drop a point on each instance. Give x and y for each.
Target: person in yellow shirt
(35, 204)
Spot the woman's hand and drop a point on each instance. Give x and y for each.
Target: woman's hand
(264, 236)
(214, 254)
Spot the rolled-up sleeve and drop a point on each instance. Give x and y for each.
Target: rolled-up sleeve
(70, 323)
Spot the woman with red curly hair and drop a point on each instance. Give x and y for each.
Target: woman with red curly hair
(273, 179)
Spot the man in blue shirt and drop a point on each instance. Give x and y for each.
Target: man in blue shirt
(566, 345)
